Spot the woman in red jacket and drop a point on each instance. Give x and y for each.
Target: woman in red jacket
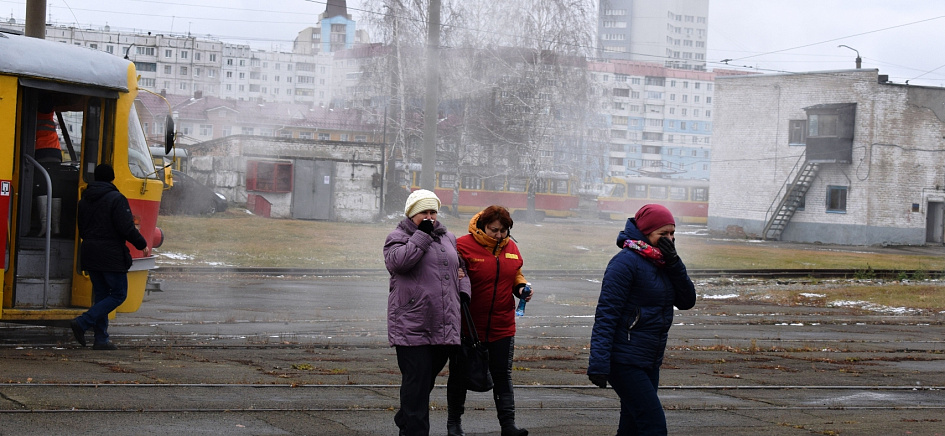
(494, 267)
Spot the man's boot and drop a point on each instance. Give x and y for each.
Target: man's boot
(455, 406)
(56, 213)
(505, 410)
(41, 211)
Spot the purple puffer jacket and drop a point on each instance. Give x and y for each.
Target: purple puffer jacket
(423, 304)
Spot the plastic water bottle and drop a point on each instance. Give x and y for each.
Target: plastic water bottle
(526, 291)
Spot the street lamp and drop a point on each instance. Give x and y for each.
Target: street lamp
(858, 60)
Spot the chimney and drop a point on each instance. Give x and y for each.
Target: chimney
(883, 78)
(198, 95)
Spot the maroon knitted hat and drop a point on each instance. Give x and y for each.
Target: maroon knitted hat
(653, 216)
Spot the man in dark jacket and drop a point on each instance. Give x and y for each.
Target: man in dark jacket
(105, 223)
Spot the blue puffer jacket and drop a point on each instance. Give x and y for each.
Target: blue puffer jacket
(423, 304)
(635, 308)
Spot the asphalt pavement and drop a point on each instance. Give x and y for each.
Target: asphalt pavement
(260, 355)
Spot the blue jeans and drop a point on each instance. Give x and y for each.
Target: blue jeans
(109, 290)
(641, 412)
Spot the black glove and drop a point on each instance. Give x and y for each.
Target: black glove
(426, 226)
(668, 248)
(463, 298)
(598, 379)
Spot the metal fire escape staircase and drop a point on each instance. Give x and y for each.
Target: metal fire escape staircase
(782, 209)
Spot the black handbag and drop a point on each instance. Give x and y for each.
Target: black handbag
(475, 357)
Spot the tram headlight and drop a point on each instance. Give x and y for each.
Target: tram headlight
(158, 239)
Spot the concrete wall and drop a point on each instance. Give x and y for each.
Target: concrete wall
(221, 164)
(898, 157)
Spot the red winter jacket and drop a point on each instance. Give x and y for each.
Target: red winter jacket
(495, 268)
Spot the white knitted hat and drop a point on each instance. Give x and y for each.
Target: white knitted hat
(421, 200)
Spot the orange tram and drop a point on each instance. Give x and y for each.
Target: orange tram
(688, 200)
(91, 96)
(555, 193)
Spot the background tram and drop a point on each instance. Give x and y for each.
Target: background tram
(91, 95)
(688, 200)
(555, 193)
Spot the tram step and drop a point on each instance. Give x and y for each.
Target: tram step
(29, 293)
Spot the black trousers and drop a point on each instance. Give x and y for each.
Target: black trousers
(500, 366)
(419, 367)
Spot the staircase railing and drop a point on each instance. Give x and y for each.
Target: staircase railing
(789, 197)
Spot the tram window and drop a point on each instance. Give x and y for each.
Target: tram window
(659, 192)
(447, 181)
(139, 156)
(493, 184)
(472, 182)
(619, 191)
(265, 176)
(90, 140)
(637, 191)
(700, 194)
(517, 185)
(677, 193)
(559, 187)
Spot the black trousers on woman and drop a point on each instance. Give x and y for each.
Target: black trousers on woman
(418, 368)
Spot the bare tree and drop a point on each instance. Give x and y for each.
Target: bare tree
(515, 91)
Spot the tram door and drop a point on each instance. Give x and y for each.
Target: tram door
(935, 222)
(47, 206)
(312, 187)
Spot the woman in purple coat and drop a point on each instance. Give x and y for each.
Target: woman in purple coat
(423, 311)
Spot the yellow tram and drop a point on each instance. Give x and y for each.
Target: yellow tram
(90, 95)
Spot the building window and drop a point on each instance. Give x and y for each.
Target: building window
(324, 137)
(836, 199)
(263, 176)
(798, 132)
(206, 130)
(822, 125)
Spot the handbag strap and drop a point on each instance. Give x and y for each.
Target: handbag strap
(469, 322)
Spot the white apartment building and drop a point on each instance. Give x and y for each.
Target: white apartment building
(659, 119)
(669, 32)
(195, 66)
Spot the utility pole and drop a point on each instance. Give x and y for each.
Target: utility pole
(431, 102)
(35, 19)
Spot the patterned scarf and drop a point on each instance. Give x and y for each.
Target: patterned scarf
(648, 251)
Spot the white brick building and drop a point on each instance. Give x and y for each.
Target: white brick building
(873, 151)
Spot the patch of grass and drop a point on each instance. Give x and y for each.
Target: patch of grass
(925, 296)
(236, 238)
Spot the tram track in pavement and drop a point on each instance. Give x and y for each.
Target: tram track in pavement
(595, 398)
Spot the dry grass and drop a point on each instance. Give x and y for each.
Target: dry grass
(239, 239)
(924, 296)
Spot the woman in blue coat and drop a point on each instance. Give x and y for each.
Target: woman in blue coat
(641, 285)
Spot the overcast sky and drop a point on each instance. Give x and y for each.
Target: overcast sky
(900, 37)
